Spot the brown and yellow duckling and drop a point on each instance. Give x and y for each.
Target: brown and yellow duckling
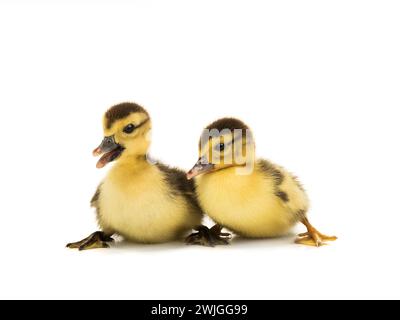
(252, 197)
(141, 201)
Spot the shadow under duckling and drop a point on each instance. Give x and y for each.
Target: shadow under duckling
(139, 200)
(252, 197)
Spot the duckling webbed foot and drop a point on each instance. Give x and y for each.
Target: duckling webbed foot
(209, 237)
(96, 240)
(313, 237)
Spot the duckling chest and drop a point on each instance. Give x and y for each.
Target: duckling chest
(140, 211)
(245, 204)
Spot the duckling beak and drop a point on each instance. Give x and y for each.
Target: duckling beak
(202, 166)
(109, 149)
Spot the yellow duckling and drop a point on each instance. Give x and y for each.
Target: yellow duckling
(252, 197)
(139, 200)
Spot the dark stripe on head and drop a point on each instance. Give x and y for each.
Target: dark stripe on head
(227, 123)
(121, 111)
(224, 124)
(142, 123)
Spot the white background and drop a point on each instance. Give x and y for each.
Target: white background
(318, 81)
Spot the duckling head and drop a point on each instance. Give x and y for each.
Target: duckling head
(126, 134)
(225, 143)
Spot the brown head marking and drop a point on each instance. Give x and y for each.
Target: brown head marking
(121, 111)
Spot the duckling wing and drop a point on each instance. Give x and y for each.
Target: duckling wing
(95, 199)
(179, 185)
(286, 186)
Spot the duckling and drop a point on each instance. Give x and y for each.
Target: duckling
(251, 197)
(138, 199)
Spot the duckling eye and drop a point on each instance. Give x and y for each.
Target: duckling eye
(129, 128)
(221, 147)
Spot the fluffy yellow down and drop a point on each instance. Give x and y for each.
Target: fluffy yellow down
(247, 204)
(135, 202)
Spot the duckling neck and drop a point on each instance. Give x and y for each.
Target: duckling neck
(239, 169)
(129, 171)
(131, 164)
